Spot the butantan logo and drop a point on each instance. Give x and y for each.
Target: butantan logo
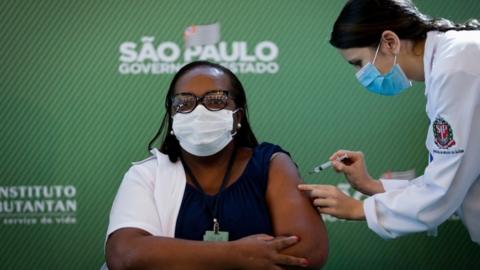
(167, 57)
(31, 205)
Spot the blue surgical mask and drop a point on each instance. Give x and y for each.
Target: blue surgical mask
(390, 84)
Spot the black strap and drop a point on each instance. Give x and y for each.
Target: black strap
(214, 211)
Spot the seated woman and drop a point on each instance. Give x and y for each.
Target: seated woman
(212, 181)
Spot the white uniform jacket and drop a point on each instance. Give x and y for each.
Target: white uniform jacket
(451, 181)
(150, 196)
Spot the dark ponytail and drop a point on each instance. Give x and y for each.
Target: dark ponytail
(362, 22)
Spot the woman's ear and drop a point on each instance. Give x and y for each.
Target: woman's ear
(390, 43)
(237, 119)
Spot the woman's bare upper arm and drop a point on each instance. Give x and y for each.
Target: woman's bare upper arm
(292, 213)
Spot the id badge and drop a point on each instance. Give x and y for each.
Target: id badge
(212, 236)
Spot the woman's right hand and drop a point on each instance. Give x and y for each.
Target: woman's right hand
(355, 171)
(262, 251)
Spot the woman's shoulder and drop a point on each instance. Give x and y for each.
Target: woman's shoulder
(141, 172)
(148, 164)
(269, 148)
(151, 162)
(456, 51)
(265, 152)
(145, 169)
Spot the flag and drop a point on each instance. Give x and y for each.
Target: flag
(198, 35)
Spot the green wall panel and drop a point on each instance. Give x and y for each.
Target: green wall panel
(70, 119)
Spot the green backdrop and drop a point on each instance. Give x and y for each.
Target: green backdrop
(71, 122)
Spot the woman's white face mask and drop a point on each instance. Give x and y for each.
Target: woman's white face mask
(203, 132)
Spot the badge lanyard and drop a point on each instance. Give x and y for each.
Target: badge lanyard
(215, 234)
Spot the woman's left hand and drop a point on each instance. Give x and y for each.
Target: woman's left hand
(332, 201)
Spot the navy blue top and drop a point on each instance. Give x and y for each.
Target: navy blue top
(242, 208)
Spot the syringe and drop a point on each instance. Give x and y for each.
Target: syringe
(327, 164)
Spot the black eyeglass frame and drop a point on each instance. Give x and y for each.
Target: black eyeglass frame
(199, 100)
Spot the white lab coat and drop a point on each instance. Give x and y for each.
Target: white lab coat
(451, 181)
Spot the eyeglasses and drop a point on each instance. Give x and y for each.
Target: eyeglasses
(214, 100)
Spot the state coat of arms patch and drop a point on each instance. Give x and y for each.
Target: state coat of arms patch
(443, 133)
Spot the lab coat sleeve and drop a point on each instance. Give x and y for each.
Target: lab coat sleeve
(429, 200)
(134, 205)
(392, 184)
